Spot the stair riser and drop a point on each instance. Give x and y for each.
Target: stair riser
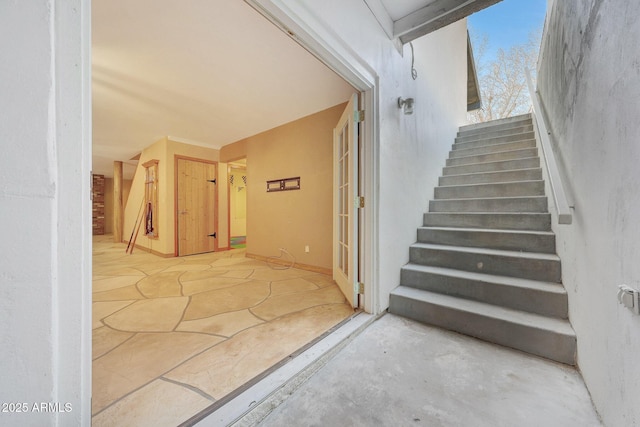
(496, 148)
(494, 157)
(523, 204)
(551, 345)
(533, 162)
(483, 143)
(511, 241)
(489, 178)
(489, 140)
(496, 125)
(536, 222)
(514, 189)
(503, 265)
(523, 128)
(525, 299)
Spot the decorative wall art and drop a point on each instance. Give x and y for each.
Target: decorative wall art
(284, 184)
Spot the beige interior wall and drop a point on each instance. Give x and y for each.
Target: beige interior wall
(165, 151)
(298, 218)
(235, 151)
(156, 151)
(108, 202)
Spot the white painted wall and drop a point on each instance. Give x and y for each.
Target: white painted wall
(412, 148)
(589, 74)
(45, 212)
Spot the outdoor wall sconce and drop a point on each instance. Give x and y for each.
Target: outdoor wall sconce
(406, 105)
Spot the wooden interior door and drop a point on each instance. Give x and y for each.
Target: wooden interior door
(196, 198)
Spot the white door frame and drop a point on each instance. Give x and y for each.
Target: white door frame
(313, 35)
(317, 38)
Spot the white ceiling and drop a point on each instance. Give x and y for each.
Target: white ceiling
(209, 72)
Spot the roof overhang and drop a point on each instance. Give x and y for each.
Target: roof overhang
(408, 20)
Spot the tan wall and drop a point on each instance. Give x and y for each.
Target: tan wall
(165, 151)
(108, 202)
(235, 151)
(291, 219)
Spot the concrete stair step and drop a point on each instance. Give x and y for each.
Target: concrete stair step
(525, 265)
(495, 124)
(499, 189)
(509, 240)
(531, 204)
(544, 298)
(493, 157)
(532, 174)
(502, 221)
(484, 139)
(494, 148)
(489, 142)
(540, 335)
(523, 127)
(496, 166)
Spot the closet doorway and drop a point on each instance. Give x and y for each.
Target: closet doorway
(237, 173)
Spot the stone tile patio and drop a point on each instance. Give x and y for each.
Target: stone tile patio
(172, 336)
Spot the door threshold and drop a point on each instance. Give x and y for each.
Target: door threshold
(255, 401)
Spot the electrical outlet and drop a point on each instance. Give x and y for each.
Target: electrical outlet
(306, 249)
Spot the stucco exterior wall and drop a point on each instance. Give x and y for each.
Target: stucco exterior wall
(412, 148)
(45, 213)
(588, 78)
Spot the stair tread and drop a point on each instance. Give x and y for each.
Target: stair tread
(459, 139)
(490, 230)
(552, 324)
(495, 161)
(493, 198)
(483, 125)
(494, 153)
(517, 282)
(480, 184)
(488, 213)
(491, 148)
(493, 172)
(485, 251)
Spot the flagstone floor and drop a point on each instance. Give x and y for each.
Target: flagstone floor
(171, 336)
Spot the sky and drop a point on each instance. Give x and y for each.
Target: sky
(507, 23)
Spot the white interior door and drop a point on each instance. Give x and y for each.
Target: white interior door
(345, 216)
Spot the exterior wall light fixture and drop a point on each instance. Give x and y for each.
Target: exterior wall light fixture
(406, 105)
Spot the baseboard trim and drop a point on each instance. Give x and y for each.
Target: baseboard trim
(151, 251)
(307, 267)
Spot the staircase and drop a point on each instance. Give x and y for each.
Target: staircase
(485, 263)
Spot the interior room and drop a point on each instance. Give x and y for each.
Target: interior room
(216, 94)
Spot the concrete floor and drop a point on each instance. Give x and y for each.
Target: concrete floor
(172, 336)
(401, 373)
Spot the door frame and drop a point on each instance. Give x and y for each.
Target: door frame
(312, 35)
(321, 41)
(177, 157)
(229, 167)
